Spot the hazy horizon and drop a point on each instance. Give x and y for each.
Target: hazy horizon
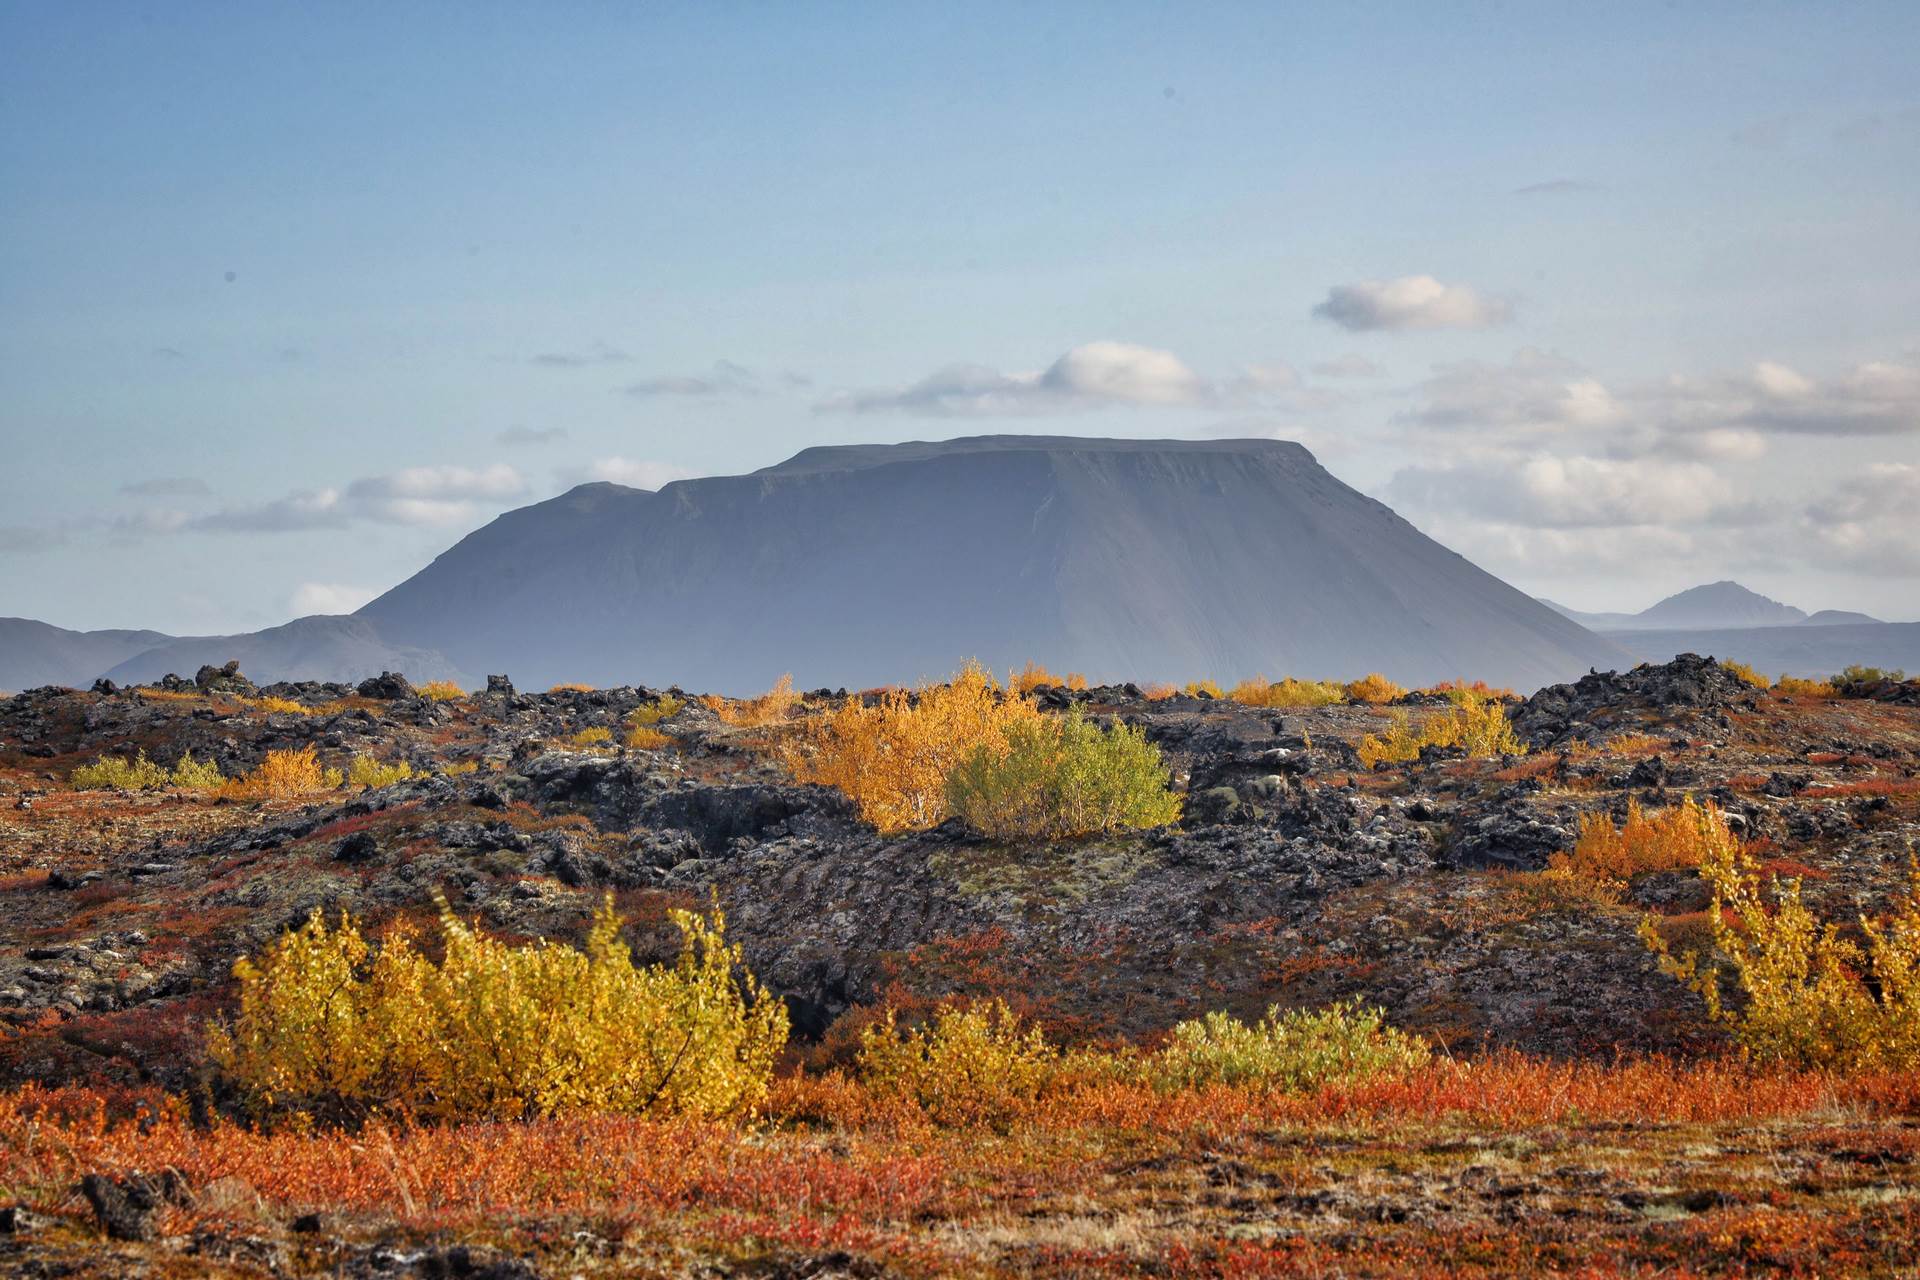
(1614, 303)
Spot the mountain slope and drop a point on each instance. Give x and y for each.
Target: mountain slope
(321, 647)
(1798, 650)
(1718, 605)
(35, 653)
(1123, 559)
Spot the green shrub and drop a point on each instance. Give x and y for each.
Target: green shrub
(1856, 678)
(117, 773)
(196, 775)
(1062, 776)
(1297, 1051)
(495, 1030)
(969, 1065)
(366, 771)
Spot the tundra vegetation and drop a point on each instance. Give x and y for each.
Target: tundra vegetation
(589, 1066)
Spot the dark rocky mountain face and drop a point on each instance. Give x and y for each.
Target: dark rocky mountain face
(1121, 559)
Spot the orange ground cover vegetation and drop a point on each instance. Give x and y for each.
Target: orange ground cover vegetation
(835, 1161)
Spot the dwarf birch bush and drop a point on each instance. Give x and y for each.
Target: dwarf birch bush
(371, 773)
(1296, 1051)
(1811, 997)
(969, 1065)
(1477, 724)
(499, 1031)
(118, 773)
(893, 758)
(286, 775)
(1063, 776)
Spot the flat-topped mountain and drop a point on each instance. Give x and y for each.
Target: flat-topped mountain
(1124, 559)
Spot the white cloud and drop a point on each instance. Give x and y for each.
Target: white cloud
(1871, 521)
(1350, 365)
(725, 378)
(1537, 393)
(327, 597)
(1090, 376)
(595, 354)
(1411, 302)
(628, 472)
(425, 496)
(531, 435)
(1551, 492)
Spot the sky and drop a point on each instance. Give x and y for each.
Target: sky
(1612, 299)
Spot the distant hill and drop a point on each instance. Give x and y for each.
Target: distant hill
(1720, 604)
(322, 647)
(1123, 559)
(1717, 605)
(33, 654)
(1800, 650)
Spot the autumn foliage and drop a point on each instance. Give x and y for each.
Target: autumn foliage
(1477, 725)
(892, 757)
(1679, 838)
(498, 1031)
(286, 775)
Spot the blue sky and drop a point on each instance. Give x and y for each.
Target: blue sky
(1613, 299)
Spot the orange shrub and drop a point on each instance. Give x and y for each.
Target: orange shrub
(1789, 685)
(893, 758)
(769, 708)
(1459, 690)
(285, 775)
(1158, 692)
(441, 691)
(1746, 673)
(1676, 839)
(1373, 687)
(571, 687)
(1262, 692)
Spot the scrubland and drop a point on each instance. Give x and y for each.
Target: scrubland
(986, 977)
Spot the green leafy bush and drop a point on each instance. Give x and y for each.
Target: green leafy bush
(494, 1030)
(1062, 776)
(1301, 1050)
(118, 773)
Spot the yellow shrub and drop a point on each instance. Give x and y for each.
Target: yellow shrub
(365, 771)
(499, 1031)
(970, 1065)
(1675, 839)
(1478, 725)
(1196, 688)
(1059, 777)
(892, 758)
(1262, 692)
(1297, 1051)
(459, 768)
(441, 691)
(1373, 687)
(285, 775)
(1813, 998)
(587, 739)
(1746, 673)
(571, 687)
(661, 708)
(641, 738)
(1805, 688)
(1158, 692)
(283, 706)
(770, 707)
